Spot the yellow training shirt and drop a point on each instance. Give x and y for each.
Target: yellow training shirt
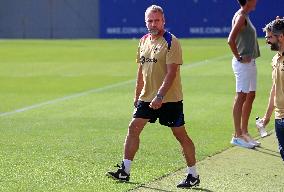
(154, 55)
(278, 80)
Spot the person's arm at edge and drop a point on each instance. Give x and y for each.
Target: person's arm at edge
(238, 25)
(139, 84)
(270, 106)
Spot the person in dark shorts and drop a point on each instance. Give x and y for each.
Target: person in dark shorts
(170, 114)
(158, 94)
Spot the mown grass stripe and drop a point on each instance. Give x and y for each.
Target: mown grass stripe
(97, 90)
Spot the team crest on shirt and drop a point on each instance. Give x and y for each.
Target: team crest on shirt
(156, 49)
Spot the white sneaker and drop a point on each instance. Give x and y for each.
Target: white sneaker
(250, 140)
(255, 143)
(241, 143)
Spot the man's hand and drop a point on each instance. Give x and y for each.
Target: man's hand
(156, 103)
(265, 120)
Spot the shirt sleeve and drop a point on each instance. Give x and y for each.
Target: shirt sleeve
(138, 53)
(174, 54)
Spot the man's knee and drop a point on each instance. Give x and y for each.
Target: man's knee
(135, 127)
(180, 134)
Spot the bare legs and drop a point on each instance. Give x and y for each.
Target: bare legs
(186, 144)
(132, 141)
(246, 111)
(241, 112)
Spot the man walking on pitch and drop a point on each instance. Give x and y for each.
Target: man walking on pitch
(158, 94)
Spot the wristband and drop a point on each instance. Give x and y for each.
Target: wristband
(159, 96)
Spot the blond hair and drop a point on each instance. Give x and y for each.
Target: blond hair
(155, 9)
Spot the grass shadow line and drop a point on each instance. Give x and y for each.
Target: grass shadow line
(268, 152)
(163, 190)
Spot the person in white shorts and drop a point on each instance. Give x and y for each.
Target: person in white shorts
(245, 75)
(244, 46)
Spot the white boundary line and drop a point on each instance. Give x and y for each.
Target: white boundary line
(76, 95)
(97, 90)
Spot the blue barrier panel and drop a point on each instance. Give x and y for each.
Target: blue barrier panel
(49, 19)
(124, 18)
(184, 18)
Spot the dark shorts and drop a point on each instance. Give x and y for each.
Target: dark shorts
(170, 114)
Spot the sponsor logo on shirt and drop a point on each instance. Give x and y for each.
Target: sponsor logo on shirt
(148, 60)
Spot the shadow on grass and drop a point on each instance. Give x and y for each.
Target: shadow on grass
(163, 190)
(268, 151)
(128, 182)
(202, 189)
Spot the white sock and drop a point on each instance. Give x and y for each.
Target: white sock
(192, 171)
(127, 165)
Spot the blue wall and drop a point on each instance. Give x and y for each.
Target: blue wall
(124, 18)
(184, 18)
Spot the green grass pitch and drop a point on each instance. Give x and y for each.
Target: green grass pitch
(67, 136)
